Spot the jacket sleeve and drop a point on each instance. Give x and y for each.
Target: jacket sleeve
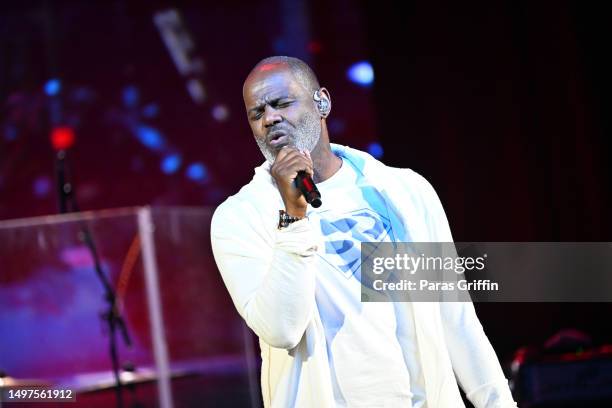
(270, 280)
(473, 359)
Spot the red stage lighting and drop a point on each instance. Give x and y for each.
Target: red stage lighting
(62, 138)
(314, 47)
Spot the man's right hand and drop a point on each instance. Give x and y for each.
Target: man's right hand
(284, 170)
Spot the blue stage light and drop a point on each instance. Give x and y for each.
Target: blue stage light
(150, 137)
(171, 163)
(361, 73)
(220, 112)
(42, 186)
(197, 171)
(151, 110)
(130, 96)
(53, 86)
(10, 133)
(376, 150)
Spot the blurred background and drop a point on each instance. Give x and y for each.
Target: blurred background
(504, 106)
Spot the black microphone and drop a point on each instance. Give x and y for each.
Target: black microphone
(305, 184)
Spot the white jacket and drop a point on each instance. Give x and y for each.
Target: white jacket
(270, 275)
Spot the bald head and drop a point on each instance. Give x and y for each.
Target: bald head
(302, 73)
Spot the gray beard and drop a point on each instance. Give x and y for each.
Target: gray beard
(305, 137)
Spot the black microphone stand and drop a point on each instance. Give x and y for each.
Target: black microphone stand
(68, 203)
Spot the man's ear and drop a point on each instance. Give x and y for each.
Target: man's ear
(323, 102)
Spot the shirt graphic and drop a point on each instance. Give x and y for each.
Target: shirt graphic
(343, 236)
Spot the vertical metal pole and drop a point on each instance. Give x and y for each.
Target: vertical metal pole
(160, 348)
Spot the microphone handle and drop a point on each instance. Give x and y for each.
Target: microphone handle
(305, 184)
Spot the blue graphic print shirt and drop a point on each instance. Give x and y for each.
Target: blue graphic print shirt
(363, 339)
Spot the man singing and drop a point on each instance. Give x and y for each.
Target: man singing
(293, 271)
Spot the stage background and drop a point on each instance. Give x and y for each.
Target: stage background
(503, 106)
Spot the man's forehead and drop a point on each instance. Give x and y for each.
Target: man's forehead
(262, 84)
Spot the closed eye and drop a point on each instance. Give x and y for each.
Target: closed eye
(282, 104)
(276, 104)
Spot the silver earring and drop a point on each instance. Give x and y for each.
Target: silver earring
(323, 106)
(322, 103)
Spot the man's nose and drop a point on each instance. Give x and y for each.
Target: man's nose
(271, 116)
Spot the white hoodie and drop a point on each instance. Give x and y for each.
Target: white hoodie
(270, 275)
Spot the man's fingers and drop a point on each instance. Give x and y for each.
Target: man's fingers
(284, 151)
(292, 160)
(287, 151)
(289, 161)
(290, 167)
